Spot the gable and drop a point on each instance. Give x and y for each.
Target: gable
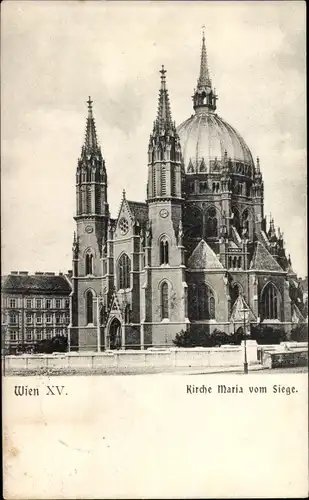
(262, 260)
(237, 313)
(203, 257)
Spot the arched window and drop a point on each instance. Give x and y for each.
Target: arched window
(235, 291)
(245, 219)
(163, 252)
(202, 304)
(163, 180)
(236, 219)
(89, 264)
(211, 223)
(124, 268)
(270, 302)
(89, 306)
(164, 300)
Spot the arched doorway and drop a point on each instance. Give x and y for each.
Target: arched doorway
(115, 334)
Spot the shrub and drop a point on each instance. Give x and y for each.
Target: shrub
(300, 333)
(55, 344)
(265, 334)
(198, 336)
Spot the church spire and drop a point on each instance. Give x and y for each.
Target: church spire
(204, 78)
(204, 98)
(91, 141)
(164, 116)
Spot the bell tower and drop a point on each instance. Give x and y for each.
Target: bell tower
(92, 214)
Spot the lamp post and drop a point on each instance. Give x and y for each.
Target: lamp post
(245, 342)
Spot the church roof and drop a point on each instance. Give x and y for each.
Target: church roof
(203, 257)
(139, 210)
(37, 283)
(237, 314)
(262, 260)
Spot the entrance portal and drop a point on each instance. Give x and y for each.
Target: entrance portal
(115, 334)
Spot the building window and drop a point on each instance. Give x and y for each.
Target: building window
(13, 336)
(48, 318)
(39, 319)
(211, 223)
(163, 252)
(57, 319)
(245, 220)
(67, 319)
(39, 335)
(89, 263)
(89, 307)
(48, 303)
(58, 303)
(38, 303)
(13, 303)
(202, 305)
(164, 300)
(270, 302)
(236, 219)
(28, 335)
(28, 303)
(163, 180)
(13, 319)
(67, 303)
(124, 269)
(28, 319)
(58, 331)
(48, 335)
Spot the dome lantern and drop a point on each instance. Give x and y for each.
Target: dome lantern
(204, 98)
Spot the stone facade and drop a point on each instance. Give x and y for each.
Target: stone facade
(199, 251)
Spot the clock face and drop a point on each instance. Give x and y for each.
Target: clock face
(123, 225)
(88, 229)
(163, 213)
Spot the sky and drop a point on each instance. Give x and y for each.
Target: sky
(56, 54)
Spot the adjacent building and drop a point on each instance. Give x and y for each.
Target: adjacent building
(34, 307)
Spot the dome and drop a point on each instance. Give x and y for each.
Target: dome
(204, 139)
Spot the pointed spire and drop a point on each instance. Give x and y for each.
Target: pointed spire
(164, 116)
(91, 142)
(123, 194)
(204, 98)
(204, 78)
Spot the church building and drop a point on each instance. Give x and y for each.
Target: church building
(198, 251)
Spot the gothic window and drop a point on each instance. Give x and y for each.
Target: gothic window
(236, 219)
(89, 264)
(153, 181)
(164, 300)
(89, 306)
(235, 291)
(203, 187)
(124, 268)
(193, 222)
(88, 199)
(245, 220)
(98, 200)
(270, 302)
(173, 175)
(163, 180)
(202, 303)
(191, 187)
(163, 252)
(211, 223)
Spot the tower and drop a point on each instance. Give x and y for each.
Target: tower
(166, 293)
(92, 214)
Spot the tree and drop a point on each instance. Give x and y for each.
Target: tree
(55, 344)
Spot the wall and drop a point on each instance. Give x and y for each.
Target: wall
(151, 358)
